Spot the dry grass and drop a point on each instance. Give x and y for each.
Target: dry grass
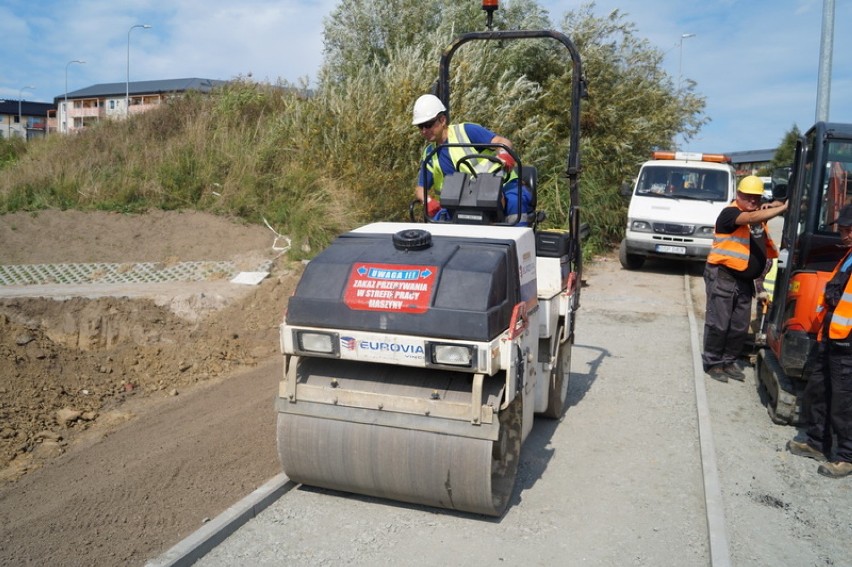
(312, 166)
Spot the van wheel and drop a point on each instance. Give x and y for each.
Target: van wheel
(629, 261)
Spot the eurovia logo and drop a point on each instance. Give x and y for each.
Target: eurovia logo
(376, 347)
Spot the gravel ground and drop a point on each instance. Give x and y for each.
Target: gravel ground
(617, 481)
(590, 485)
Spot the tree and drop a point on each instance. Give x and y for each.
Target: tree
(361, 33)
(786, 151)
(633, 106)
(381, 54)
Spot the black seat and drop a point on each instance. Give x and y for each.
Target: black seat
(529, 179)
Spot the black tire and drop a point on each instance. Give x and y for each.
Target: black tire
(629, 261)
(557, 394)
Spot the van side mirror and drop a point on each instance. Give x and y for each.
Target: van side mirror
(626, 189)
(779, 192)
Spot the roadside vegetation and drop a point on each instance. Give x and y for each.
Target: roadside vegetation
(316, 162)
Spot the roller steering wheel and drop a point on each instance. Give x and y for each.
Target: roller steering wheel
(465, 162)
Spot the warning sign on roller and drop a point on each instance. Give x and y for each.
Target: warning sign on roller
(390, 287)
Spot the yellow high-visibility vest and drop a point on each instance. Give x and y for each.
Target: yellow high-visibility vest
(457, 135)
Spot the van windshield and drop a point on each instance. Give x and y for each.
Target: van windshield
(683, 183)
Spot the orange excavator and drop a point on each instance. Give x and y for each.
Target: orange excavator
(817, 188)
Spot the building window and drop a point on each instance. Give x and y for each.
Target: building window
(112, 105)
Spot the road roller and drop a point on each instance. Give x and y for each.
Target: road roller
(418, 354)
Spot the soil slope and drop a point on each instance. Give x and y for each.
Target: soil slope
(112, 445)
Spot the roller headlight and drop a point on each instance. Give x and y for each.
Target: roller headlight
(453, 355)
(314, 342)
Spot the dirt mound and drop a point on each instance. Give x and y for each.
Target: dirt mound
(65, 363)
(158, 236)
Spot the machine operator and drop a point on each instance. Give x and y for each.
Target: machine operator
(431, 119)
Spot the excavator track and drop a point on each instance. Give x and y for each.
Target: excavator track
(782, 405)
(422, 436)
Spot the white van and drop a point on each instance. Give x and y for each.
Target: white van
(767, 189)
(674, 205)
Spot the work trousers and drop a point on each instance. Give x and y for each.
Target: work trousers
(827, 399)
(727, 316)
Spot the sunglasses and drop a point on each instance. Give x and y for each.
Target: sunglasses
(427, 125)
(750, 197)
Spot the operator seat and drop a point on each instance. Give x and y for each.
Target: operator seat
(477, 199)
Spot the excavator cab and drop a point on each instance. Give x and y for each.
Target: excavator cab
(819, 185)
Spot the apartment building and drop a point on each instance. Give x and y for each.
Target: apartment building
(85, 107)
(24, 119)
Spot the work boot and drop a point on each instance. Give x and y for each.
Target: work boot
(837, 469)
(718, 373)
(733, 371)
(801, 449)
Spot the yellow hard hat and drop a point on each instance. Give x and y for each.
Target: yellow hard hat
(751, 185)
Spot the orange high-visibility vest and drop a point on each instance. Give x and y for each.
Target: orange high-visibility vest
(732, 250)
(841, 319)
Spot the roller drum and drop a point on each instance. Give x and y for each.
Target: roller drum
(418, 459)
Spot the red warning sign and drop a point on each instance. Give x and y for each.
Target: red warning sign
(390, 287)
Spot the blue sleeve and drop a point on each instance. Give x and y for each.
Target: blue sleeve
(423, 180)
(478, 134)
(424, 176)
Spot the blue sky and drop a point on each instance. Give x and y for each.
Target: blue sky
(755, 61)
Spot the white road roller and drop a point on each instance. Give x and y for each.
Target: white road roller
(417, 355)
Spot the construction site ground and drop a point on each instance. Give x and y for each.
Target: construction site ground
(131, 411)
(131, 415)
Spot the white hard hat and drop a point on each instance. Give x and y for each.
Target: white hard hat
(426, 108)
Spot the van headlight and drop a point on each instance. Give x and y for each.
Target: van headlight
(705, 231)
(641, 226)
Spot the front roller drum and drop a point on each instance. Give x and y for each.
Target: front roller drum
(409, 465)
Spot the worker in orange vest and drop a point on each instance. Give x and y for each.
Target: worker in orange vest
(827, 399)
(741, 248)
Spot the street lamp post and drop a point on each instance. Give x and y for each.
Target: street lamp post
(127, 92)
(20, 96)
(65, 113)
(683, 36)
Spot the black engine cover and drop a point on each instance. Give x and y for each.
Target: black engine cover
(451, 287)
